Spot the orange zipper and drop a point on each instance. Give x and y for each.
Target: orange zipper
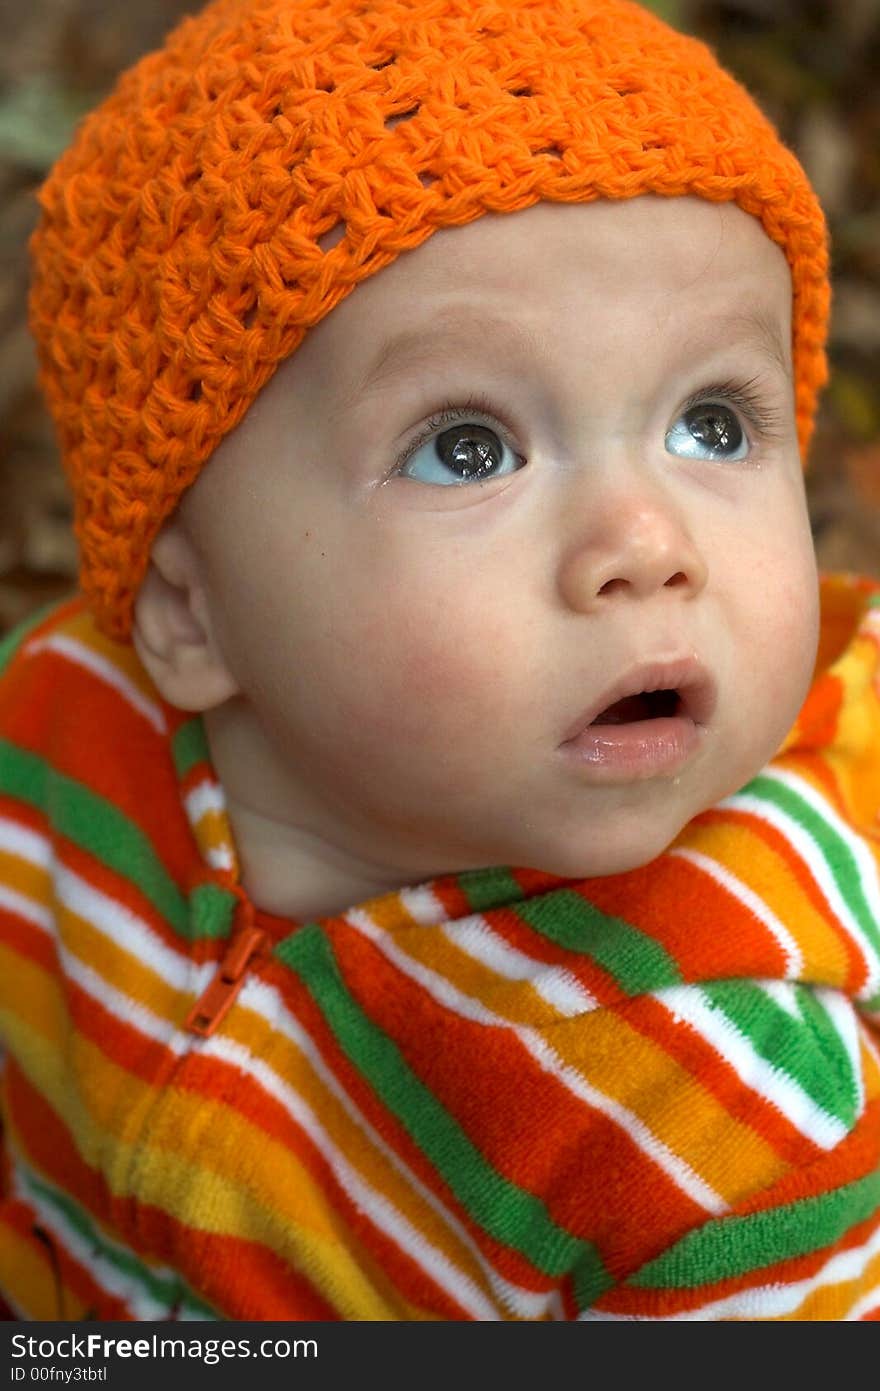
(217, 999)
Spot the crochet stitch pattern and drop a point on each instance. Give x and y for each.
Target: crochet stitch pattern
(239, 182)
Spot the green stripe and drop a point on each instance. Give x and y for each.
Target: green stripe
(212, 910)
(190, 746)
(20, 633)
(488, 888)
(636, 961)
(508, 1213)
(166, 1291)
(834, 849)
(809, 1050)
(726, 1247)
(95, 825)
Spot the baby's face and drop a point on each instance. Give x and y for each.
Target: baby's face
(540, 464)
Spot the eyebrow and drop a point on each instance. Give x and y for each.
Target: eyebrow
(420, 346)
(760, 330)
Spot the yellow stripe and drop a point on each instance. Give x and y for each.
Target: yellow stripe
(629, 1068)
(870, 1070)
(213, 832)
(833, 1302)
(123, 656)
(121, 969)
(514, 1001)
(743, 851)
(27, 1278)
(855, 756)
(32, 881)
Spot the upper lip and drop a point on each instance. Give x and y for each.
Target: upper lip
(686, 675)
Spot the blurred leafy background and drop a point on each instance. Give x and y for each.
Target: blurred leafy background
(813, 65)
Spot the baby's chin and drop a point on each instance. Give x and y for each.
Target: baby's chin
(618, 845)
(614, 860)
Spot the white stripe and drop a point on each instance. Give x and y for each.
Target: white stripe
(82, 899)
(266, 1002)
(770, 1301)
(846, 1025)
(423, 905)
(475, 936)
(219, 857)
(36, 913)
(26, 844)
(548, 1059)
(375, 1206)
(114, 920)
(688, 1002)
(783, 993)
(554, 984)
(123, 1007)
(868, 1304)
(868, 1043)
(119, 1282)
(206, 796)
(814, 861)
(99, 666)
(740, 891)
(129, 932)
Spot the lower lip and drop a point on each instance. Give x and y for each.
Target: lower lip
(631, 752)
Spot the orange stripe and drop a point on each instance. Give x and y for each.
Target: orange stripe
(671, 900)
(830, 955)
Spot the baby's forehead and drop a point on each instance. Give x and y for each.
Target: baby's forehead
(588, 272)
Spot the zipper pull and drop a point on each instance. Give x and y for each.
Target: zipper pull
(217, 999)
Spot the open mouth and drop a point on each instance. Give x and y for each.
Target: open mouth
(668, 694)
(646, 705)
(646, 724)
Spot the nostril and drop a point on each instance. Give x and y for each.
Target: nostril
(612, 586)
(677, 580)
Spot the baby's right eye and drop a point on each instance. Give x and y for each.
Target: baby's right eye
(465, 452)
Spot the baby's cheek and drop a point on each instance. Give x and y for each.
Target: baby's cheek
(786, 628)
(452, 670)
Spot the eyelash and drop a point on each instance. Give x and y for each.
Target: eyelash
(448, 414)
(766, 421)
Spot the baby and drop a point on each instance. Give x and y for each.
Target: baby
(439, 847)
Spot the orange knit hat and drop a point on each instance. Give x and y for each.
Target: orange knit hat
(244, 178)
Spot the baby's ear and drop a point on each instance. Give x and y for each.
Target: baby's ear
(172, 631)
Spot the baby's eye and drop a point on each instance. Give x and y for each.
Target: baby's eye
(464, 453)
(708, 430)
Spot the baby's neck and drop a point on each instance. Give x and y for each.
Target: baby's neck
(296, 876)
(288, 867)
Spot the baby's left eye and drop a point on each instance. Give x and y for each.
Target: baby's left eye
(708, 430)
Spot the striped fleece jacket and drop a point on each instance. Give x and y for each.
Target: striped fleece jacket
(498, 1095)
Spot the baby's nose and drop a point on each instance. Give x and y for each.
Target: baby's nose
(643, 546)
